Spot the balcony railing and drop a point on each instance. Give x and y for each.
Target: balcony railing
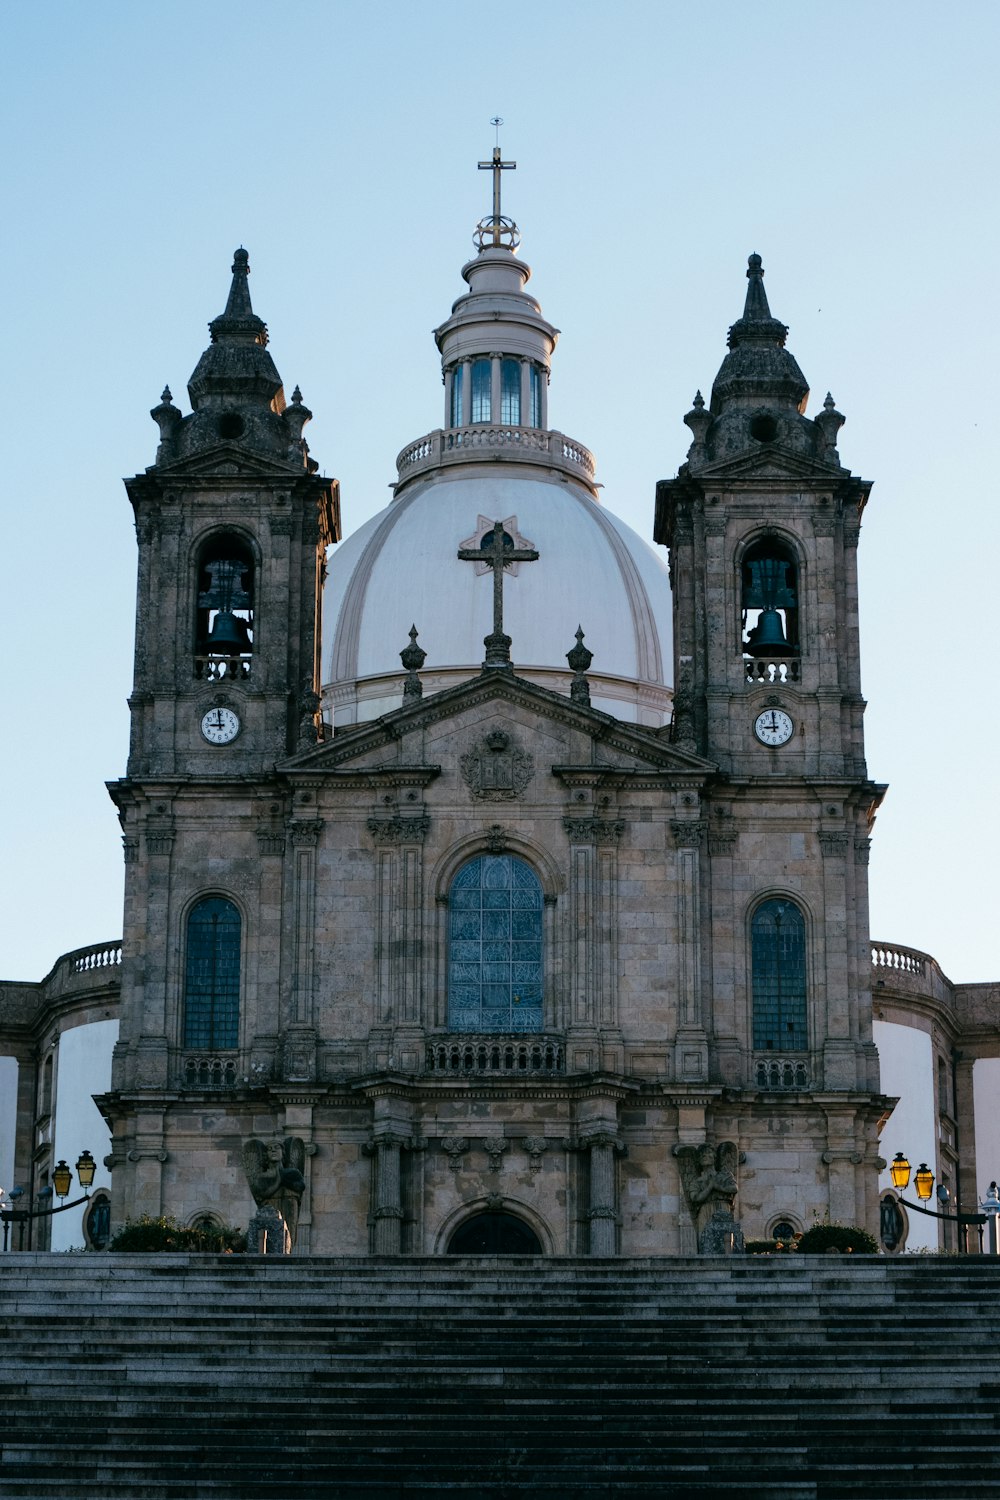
(760, 669)
(494, 440)
(781, 1075)
(218, 668)
(902, 960)
(207, 1072)
(495, 1056)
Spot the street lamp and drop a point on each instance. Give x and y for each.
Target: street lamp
(62, 1177)
(923, 1181)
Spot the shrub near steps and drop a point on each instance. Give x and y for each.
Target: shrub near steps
(794, 1378)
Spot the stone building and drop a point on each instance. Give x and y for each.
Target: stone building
(427, 865)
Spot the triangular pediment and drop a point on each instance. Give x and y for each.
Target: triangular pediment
(772, 463)
(225, 461)
(574, 738)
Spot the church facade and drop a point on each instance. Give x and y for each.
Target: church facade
(427, 865)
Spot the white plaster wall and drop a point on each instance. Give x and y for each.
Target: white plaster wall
(986, 1094)
(83, 1069)
(8, 1120)
(908, 1071)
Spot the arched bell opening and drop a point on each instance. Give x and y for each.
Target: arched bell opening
(770, 600)
(224, 628)
(494, 1232)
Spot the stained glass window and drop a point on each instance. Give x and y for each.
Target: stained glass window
(778, 946)
(535, 396)
(495, 946)
(481, 382)
(212, 978)
(456, 395)
(510, 392)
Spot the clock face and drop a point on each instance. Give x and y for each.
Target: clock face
(773, 727)
(220, 726)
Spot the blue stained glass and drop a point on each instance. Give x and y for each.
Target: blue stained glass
(778, 953)
(495, 899)
(212, 975)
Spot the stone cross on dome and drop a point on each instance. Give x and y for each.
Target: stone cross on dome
(498, 550)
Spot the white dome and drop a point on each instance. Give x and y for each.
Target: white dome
(402, 568)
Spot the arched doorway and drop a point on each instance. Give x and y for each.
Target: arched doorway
(494, 1233)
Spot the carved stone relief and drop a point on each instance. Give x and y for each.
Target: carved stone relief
(497, 769)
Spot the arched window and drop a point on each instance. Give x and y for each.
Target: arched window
(770, 599)
(224, 630)
(778, 948)
(495, 946)
(212, 975)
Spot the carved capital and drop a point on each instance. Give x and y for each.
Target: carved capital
(270, 840)
(722, 841)
(688, 833)
(495, 1146)
(305, 832)
(456, 1147)
(280, 523)
(862, 851)
(400, 830)
(130, 849)
(160, 837)
(832, 844)
(594, 830)
(535, 1145)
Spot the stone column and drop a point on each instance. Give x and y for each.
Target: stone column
(495, 388)
(388, 1206)
(691, 1047)
(603, 1208)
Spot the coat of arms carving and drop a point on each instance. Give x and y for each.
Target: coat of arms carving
(497, 770)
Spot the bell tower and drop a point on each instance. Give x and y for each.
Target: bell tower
(762, 523)
(233, 523)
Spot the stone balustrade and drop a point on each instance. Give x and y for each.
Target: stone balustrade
(101, 956)
(781, 1074)
(904, 960)
(496, 1056)
(495, 440)
(205, 1071)
(770, 669)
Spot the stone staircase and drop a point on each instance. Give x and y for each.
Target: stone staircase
(790, 1378)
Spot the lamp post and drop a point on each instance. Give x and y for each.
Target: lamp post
(923, 1181)
(62, 1177)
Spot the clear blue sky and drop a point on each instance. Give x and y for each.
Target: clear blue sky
(854, 146)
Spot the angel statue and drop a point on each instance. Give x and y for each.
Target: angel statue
(708, 1175)
(275, 1173)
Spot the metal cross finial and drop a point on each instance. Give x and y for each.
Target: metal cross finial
(496, 166)
(498, 550)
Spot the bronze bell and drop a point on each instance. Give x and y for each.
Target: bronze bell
(767, 638)
(229, 635)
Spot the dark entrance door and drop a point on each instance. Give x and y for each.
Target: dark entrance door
(494, 1234)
